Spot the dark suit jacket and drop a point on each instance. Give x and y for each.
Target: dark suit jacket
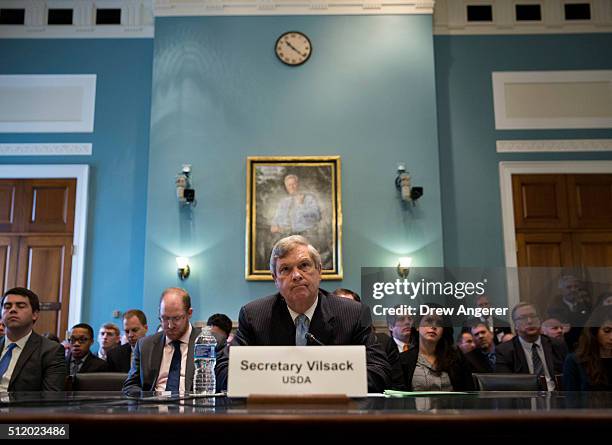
(478, 361)
(460, 375)
(499, 326)
(511, 357)
(41, 366)
(91, 364)
(336, 321)
(118, 358)
(146, 362)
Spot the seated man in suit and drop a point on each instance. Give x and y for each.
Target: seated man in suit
(221, 329)
(529, 352)
(482, 358)
(135, 327)
(80, 359)
(164, 361)
(497, 326)
(109, 338)
(301, 307)
(28, 361)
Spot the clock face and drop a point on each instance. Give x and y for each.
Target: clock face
(293, 48)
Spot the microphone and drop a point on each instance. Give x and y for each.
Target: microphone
(313, 339)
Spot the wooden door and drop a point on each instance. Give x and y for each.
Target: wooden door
(540, 201)
(44, 267)
(36, 233)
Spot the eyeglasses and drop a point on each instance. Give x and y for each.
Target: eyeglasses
(527, 317)
(174, 320)
(79, 340)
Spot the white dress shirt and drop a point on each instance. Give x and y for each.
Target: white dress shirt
(550, 383)
(400, 344)
(162, 378)
(309, 312)
(6, 378)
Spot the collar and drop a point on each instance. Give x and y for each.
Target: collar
(20, 343)
(398, 342)
(309, 312)
(527, 345)
(183, 339)
(81, 360)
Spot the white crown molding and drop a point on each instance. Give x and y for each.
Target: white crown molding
(450, 18)
(83, 149)
(170, 8)
(553, 146)
(136, 20)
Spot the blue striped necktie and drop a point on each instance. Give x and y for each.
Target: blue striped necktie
(301, 328)
(174, 373)
(6, 360)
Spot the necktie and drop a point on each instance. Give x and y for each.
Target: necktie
(405, 347)
(301, 327)
(491, 358)
(6, 360)
(538, 367)
(174, 373)
(76, 365)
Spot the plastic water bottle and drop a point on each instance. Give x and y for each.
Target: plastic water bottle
(204, 359)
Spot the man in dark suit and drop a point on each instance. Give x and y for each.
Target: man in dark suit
(529, 352)
(80, 360)
(497, 326)
(164, 361)
(482, 359)
(135, 327)
(28, 361)
(301, 307)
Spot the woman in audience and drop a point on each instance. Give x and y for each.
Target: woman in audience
(590, 367)
(435, 363)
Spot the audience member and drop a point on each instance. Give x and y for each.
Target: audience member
(301, 307)
(221, 328)
(28, 361)
(482, 358)
(347, 293)
(80, 360)
(135, 327)
(403, 333)
(465, 342)
(590, 367)
(552, 328)
(572, 306)
(497, 326)
(109, 337)
(530, 352)
(164, 361)
(434, 363)
(1, 329)
(604, 299)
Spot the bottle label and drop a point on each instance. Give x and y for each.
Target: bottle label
(204, 351)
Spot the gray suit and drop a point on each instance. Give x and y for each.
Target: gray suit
(41, 366)
(146, 363)
(336, 321)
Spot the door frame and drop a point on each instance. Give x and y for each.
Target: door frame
(80, 172)
(509, 168)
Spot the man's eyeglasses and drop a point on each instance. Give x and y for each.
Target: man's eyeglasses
(527, 317)
(79, 340)
(174, 320)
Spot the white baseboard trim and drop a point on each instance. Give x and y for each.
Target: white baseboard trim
(553, 146)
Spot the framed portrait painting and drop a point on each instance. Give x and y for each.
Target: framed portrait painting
(293, 195)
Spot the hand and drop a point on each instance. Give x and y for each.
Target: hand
(290, 45)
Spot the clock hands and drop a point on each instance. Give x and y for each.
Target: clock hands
(290, 45)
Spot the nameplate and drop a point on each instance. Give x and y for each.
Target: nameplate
(297, 370)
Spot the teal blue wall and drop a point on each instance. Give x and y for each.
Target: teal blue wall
(471, 207)
(220, 95)
(118, 167)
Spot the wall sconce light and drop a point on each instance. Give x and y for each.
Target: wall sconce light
(408, 192)
(403, 266)
(182, 264)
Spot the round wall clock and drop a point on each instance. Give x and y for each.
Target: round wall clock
(293, 48)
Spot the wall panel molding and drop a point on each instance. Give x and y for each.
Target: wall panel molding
(553, 146)
(450, 18)
(84, 149)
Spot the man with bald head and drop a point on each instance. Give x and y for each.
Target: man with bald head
(164, 361)
(302, 314)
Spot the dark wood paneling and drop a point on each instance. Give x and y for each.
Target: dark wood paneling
(540, 201)
(590, 201)
(44, 266)
(10, 194)
(544, 250)
(593, 249)
(8, 261)
(50, 205)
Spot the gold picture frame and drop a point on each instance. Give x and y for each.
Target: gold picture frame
(289, 195)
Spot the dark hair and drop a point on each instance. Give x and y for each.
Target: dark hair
(51, 336)
(180, 291)
(460, 336)
(222, 321)
(446, 352)
(142, 318)
(342, 290)
(85, 326)
(23, 292)
(588, 350)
